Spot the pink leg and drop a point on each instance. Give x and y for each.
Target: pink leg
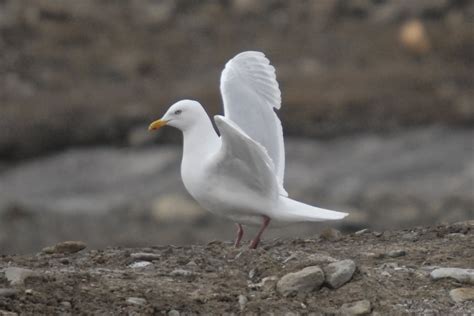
(240, 233)
(256, 240)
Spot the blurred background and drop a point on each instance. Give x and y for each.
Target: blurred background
(377, 112)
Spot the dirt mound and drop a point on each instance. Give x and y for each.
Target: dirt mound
(393, 276)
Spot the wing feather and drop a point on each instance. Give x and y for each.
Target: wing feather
(250, 94)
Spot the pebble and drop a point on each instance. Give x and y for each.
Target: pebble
(242, 301)
(396, 253)
(145, 256)
(303, 281)
(361, 232)
(267, 284)
(331, 234)
(136, 300)
(66, 304)
(66, 247)
(7, 313)
(356, 308)
(181, 272)
(461, 275)
(17, 276)
(340, 272)
(462, 294)
(139, 264)
(5, 292)
(173, 312)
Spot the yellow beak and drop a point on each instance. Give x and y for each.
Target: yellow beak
(157, 124)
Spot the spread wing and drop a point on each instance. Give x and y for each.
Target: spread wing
(245, 161)
(250, 93)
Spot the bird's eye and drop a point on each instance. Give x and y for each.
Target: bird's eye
(177, 112)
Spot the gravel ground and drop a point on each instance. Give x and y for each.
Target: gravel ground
(392, 276)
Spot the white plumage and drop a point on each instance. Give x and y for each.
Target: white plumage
(240, 175)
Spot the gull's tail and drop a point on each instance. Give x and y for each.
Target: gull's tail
(294, 211)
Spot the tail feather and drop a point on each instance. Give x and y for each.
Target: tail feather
(294, 211)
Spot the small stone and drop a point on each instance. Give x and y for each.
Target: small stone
(66, 247)
(173, 312)
(29, 291)
(64, 261)
(267, 284)
(242, 301)
(139, 264)
(145, 256)
(414, 38)
(362, 232)
(303, 281)
(340, 272)
(17, 276)
(331, 234)
(461, 275)
(377, 234)
(462, 294)
(7, 313)
(5, 292)
(356, 308)
(396, 253)
(136, 300)
(66, 304)
(181, 272)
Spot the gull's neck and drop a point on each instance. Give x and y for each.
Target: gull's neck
(199, 140)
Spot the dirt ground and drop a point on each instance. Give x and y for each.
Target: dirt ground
(210, 278)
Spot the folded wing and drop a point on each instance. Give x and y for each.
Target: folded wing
(250, 94)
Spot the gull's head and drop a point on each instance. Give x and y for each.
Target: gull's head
(182, 115)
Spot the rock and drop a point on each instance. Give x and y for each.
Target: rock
(17, 276)
(173, 312)
(361, 232)
(340, 272)
(136, 301)
(413, 37)
(66, 247)
(461, 275)
(462, 294)
(5, 292)
(181, 272)
(331, 234)
(139, 264)
(7, 313)
(145, 256)
(362, 307)
(396, 253)
(242, 301)
(174, 207)
(66, 304)
(267, 284)
(303, 281)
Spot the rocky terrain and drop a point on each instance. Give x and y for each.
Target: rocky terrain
(424, 270)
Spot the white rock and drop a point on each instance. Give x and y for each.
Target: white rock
(396, 253)
(242, 301)
(461, 275)
(303, 281)
(145, 256)
(17, 276)
(340, 272)
(7, 313)
(173, 312)
(139, 264)
(136, 300)
(462, 294)
(356, 308)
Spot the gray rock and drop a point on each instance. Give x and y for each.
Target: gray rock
(140, 264)
(136, 301)
(396, 253)
(17, 276)
(303, 281)
(362, 232)
(5, 292)
(181, 272)
(173, 312)
(340, 272)
(7, 313)
(66, 304)
(362, 307)
(145, 256)
(66, 247)
(242, 301)
(462, 294)
(461, 275)
(266, 285)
